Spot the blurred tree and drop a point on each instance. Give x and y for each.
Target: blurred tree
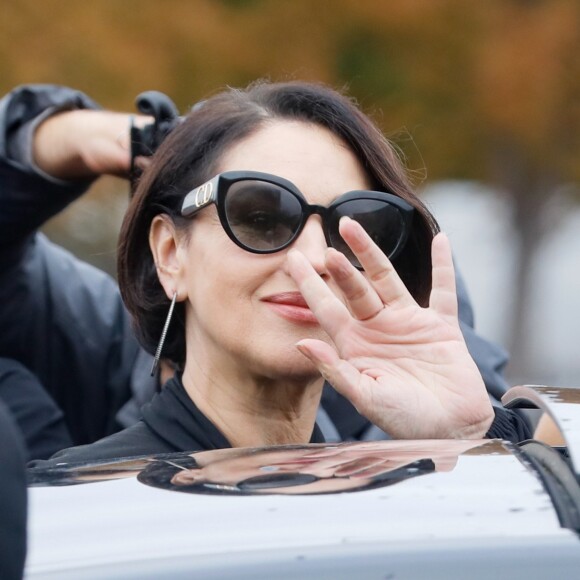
(482, 90)
(490, 91)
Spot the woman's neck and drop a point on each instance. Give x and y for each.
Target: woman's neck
(253, 411)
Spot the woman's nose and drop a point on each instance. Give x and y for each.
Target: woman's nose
(312, 243)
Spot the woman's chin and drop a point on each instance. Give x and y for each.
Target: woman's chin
(292, 366)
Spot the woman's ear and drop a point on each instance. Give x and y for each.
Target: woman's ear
(165, 243)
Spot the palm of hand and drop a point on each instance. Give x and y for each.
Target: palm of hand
(412, 365)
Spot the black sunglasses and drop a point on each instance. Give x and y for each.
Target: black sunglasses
(263, 213)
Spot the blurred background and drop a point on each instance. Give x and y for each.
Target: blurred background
(482, 98)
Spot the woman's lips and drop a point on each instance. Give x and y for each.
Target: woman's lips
(291, 306)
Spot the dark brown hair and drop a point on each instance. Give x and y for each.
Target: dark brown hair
(188, 157)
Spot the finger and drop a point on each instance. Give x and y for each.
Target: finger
(443, 293)
(330, 312)
(378, 268)
(142, 162)
(341, 375)
(363, 467)
(361, 299)
(379, 469)
(324, 453)
(444, 462)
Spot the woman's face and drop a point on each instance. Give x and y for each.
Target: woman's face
(244, 311)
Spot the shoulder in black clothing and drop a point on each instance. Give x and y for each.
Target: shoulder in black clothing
(135, 441)
(171, 422)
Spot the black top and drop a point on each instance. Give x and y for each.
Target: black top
(171, 422)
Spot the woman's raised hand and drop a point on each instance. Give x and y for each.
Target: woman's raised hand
(404, 367)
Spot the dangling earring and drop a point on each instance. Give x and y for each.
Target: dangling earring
(163, 335)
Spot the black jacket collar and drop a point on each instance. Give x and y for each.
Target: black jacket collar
(174, 417)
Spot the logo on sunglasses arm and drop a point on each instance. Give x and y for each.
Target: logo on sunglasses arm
(203, 194)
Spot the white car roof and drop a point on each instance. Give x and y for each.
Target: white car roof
(489, 508)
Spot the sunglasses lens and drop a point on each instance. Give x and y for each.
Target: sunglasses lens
(382, 221)
(262, 216)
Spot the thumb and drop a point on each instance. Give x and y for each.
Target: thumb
(341, 375)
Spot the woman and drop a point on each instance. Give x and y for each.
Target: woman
(228, 231)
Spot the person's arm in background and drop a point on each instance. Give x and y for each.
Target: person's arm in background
(30, 197)
(59, 317)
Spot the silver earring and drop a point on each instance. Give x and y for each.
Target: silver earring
(163, 335)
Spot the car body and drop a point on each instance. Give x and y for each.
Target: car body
(388, 509)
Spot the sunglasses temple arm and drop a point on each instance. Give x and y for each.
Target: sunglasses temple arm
(200, 197)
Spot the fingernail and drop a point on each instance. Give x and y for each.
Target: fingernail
(303, 350)
(296, 257)
(296, 264)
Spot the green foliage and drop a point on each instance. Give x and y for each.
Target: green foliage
(468, 81)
